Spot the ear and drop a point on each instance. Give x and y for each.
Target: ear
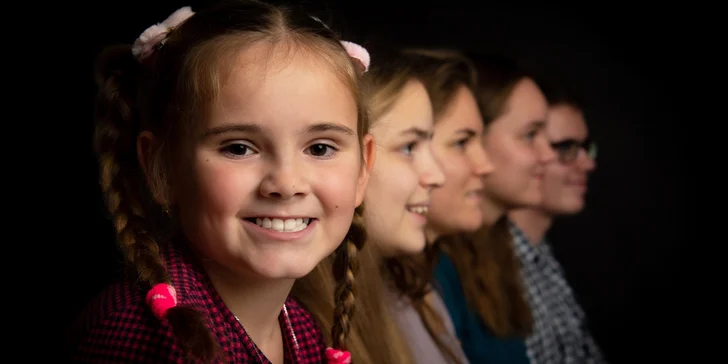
(147, 147)
(369, 151)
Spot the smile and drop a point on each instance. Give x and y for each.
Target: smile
(281, 225)
(420, 210)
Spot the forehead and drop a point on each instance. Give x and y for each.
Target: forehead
(279, 82)
(412, 109)
(566, 122)
(525, 105)
(461, 113)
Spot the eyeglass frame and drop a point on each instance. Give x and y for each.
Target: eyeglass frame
(568, 149)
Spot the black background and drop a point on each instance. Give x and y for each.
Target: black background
(621, 254)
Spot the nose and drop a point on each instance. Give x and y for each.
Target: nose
(431, 175)
(481, 162)
(546, 154)
(284, 180)
(586, 163)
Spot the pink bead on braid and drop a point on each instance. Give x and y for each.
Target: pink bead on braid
(161, 298)
(334, 356)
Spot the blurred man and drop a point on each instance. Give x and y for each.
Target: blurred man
(560, 333)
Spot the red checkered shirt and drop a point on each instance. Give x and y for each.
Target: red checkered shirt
(118, 327)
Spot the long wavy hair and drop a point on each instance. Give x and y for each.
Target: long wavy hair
(486, 262)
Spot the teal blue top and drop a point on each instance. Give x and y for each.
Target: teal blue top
(479, 344)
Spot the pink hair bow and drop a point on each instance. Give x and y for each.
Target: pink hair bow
(357, 52)
(334, 356)
(155, 35)
(354, 50)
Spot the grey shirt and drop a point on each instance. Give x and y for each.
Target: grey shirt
(422, 346)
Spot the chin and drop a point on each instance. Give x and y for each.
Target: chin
(573, 208)
(525, 203)
(286, 272)
(283, 268)
(414, 247)
(414, 244)
(471, 225)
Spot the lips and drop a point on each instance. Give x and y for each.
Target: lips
(579, 181)
(476, 193)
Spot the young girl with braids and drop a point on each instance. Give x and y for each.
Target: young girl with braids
(393, 283)
(233, 153)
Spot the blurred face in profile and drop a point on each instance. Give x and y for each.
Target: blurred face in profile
(516, 143)
(404, 174)
(565, 178)
(457, 146)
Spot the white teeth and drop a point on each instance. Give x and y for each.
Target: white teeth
(287, 225)
(422, 210)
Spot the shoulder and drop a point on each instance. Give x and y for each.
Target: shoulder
(116, 326)
(309, 335)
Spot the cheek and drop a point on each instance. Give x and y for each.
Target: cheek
(555, 177)
(390, 181)
(521, 159)
(377, 195)
(552, 186)
(218, 188)
(336, 186)
(404, 181)
(456, 170)
(456, 176)
(499, 154)
(552, 179)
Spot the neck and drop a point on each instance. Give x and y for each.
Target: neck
(492, 211)
(255, 301)
(432, 234)
(534, 223)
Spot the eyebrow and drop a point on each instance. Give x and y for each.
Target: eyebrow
(468, 132)
(322, 127)
(229, 128)
(572, 140)
(538, 124)
(420, 133)
(256, 129)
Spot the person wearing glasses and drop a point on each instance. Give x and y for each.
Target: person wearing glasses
(560, 333)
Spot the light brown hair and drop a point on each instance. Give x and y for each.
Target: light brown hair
(166, 94)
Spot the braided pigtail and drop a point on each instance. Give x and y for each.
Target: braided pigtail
(345, 268)
(123, 184)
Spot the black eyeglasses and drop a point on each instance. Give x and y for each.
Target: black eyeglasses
(568, 150)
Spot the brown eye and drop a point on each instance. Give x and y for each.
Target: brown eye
(321, 150)
(237, 149)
